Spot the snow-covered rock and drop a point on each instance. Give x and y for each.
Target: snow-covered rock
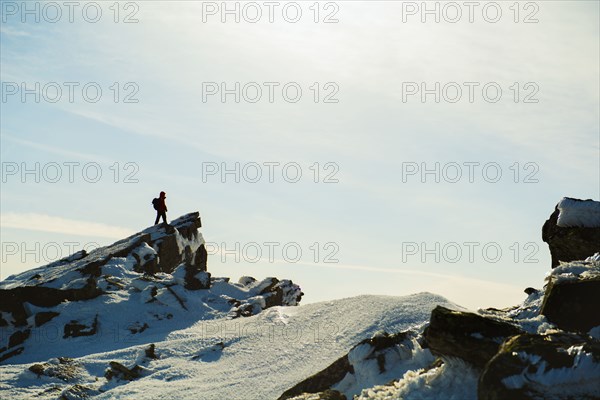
(559, 366)
(571, 299)
(125, 290)
(578, 213)
(573, 230)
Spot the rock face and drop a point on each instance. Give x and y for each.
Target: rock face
(559, 366)
(571, 299)
(568, 233)
(382, 350)
(469, 336)
(162, 269)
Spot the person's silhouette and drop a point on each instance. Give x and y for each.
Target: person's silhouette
(161, 209)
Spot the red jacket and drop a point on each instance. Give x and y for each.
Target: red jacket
(162, 207)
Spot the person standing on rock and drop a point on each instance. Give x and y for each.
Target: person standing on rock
(160, 207)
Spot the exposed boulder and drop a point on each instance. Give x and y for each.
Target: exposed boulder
(321, 381)
(558, 366)
(146, 259)
(119, 371)
(150, 352)
(64, 368)
(18, 338)
(159, 269)
(81, 328)
(471, 337)
(79, 392)
(573, 230)
(45, 316)
(269, 292)
(379, 353)
(571, 298)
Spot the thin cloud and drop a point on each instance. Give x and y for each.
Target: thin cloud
(10, 31)
(48, 223)
(57, 150)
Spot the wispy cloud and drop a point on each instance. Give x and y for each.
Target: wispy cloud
(56, 150)
(48, 223)
(10, 31)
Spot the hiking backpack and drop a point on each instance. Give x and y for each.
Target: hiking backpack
(155, 202)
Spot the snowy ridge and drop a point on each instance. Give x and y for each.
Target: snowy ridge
(250, 358)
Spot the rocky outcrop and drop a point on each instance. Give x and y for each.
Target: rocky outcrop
(560, 366)
(571, 298)
(63, 368)
(322, 380)
(570, 238)
(269, 292)
(161, 268)
(382, 350)
(469, 336)
(119, 371)
(76, 328)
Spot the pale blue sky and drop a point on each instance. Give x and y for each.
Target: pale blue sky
(370, 214)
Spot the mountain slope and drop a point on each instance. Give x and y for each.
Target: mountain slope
(249, 358)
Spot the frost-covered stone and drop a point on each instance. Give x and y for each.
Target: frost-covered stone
(558, 366)
(573, 230)
(125, 288)
(372, 361)
(472, 337)
(571, 299)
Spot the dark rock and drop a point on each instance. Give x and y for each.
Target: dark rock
(517, 371)
(195, 279)
(530, 291)
(146, 261)
(138, 328)
(242, 310)
(466, 335)
(18, 338)
(37, 369)
(321, 381)
(280, 293)
(119, 371)
(78, 392)
(3, 322)
(267, 285)
(75, 328)
(150, 352)
(13, 300)
(246, 281)
(379, 347)
(11, 353)
(42, 317)
(569, 243)
(64, 368)
(572, 305)
(201, 258)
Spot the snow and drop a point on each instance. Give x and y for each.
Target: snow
(575, 270)
(260, 356)
(453, 380)
(582, 378)
(406, 356)
(526, 316)
(595, 257)
(578, 213)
